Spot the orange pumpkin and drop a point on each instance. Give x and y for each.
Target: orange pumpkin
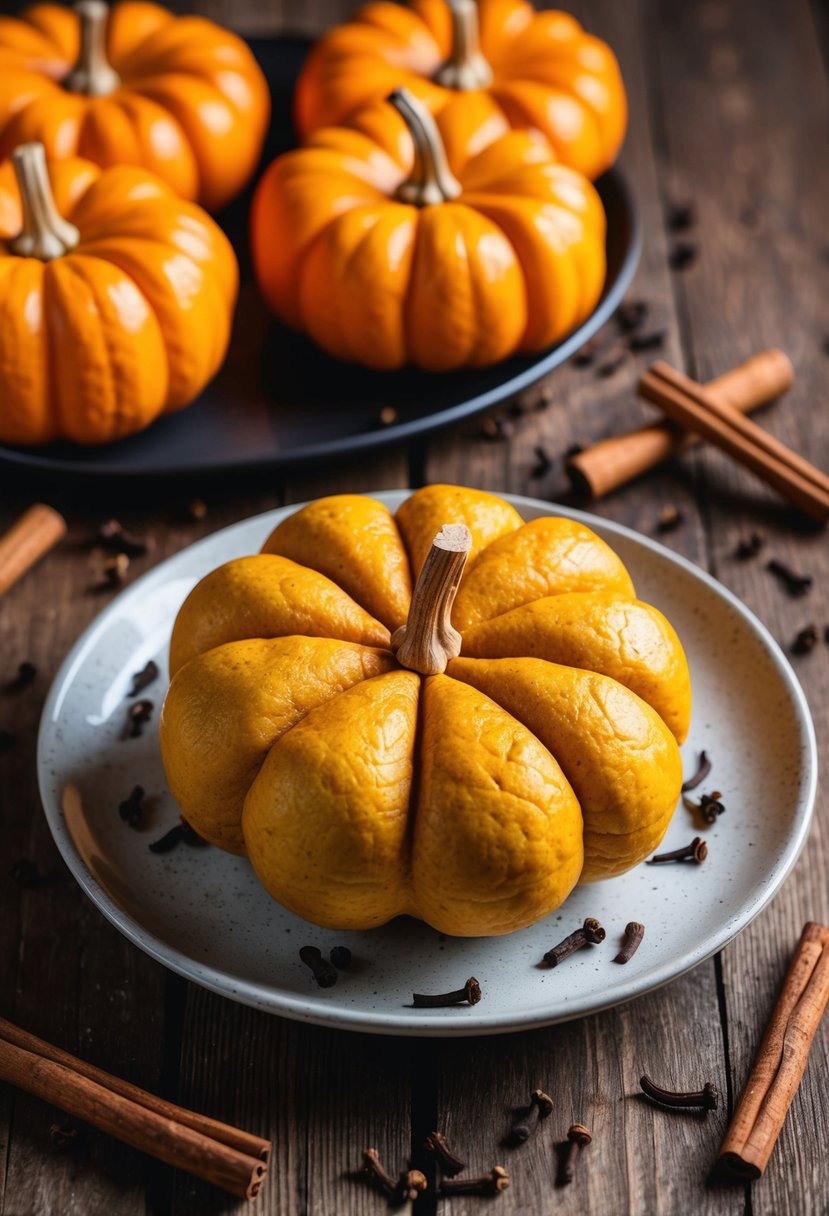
(116, 299)
(519, 69)
(138, 86)
(366, 240)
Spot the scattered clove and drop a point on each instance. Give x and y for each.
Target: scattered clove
(118, 540)
(7, 741)
(493, 1183)
(114, 572)
(409, 1184)
(450, 1164)
(670, 518)
(182, 833)
(26, 874)
(681, 216)
(387, 416)
(323, 972)
(541, 1105)
(709, 807)
(143, 678)
(682, 255)
(696, 851)
(471, 992)
(703, 769)
(806, 640)
(196, 509)
(26, 674)
(131, 809)
(749, 546)
(706, 1099)
(341, 957)
(138, 715)
(586, 355)
(612, 363)
(650, 340)
(634, 932)
(591, 931)
(63, 1135)
(579, 1137)
(543, 462)
(630, 315)
(795, 584)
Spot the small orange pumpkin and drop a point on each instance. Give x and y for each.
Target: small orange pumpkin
(116, 299)
(368, 241)
(135, 85)
(483, 67)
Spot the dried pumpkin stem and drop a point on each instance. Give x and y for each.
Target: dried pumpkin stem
(431, 181)
(466, 68)
(92, 74)
(45, 233)
(428, 640)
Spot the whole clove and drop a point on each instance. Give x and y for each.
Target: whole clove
(587, 355)
(449, 1162)
(493, 1183)
(682, 255)
(681, 216)
(670, 518)
(543, 462)
(196, 509)
(407, 1187)
(806, 640)
(323, 972)
(795, 584)
(144, 678)
(650, 340)
(131, 809)
(114, 572)
(709, 807)
(26, 675)
(341, 957)
(541, 1106)
(387, 416)
(696, 851)
(590, 932)
(632, 940)
(138, 715)
(612, 363)
(471, 993)
(578, 1138)
(703, 769)
(118, 540)
(631, 314)
(63, 1136)
(182, 833)
(749, 546)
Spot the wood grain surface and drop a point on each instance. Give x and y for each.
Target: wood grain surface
(728, 110)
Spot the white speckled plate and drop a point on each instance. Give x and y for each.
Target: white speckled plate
(202, 912)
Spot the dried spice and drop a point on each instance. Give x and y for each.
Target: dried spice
(450, 1163)
(806, 640)
(138, 715)
(323, 972)
(696, 851)
(543, 462)
(114, 572)
(63, 1136)
(634, 932)
(682, 255)
(471, 993)
(407, 1187)
(670, 518)
(341, 957)
(709, 807)
(703, 769)
(612, 364)
(118, 540)
(591, 932)
(705, 1099)
(196, 509)
(587, 355)
(578, 1137)
(182, 833)
(540, 1107)
(651, 340)
(681, 216)
(493, 1183)
(749, 546)
(631, 314)
(795, 584)
(26, 675)
(143, 678)
(387, 416)
(131, 809)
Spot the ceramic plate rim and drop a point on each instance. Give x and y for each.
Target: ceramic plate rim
(401, 1022)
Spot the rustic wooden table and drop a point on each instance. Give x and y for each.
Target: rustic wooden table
(728, 109)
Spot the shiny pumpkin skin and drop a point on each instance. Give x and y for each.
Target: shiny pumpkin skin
(475, 799)
(510, 266)
(548, 74)
(131, 324)
(192, 105)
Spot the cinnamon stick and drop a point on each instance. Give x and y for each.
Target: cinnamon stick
(613, 462)
(687, 403)
(152, 1128)
(37, 531)
(781, 1059)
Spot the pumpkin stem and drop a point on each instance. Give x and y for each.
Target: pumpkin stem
(428, 640)
(92, 74)
(431, 181)
(45, 234)
(466, 68)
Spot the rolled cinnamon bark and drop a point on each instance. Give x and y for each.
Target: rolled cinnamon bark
(27, 540)
(781, 1060)
(613, 462)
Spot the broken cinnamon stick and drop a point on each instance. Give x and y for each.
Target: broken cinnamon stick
(37, 531)
(781, 1059)
(597, 470)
